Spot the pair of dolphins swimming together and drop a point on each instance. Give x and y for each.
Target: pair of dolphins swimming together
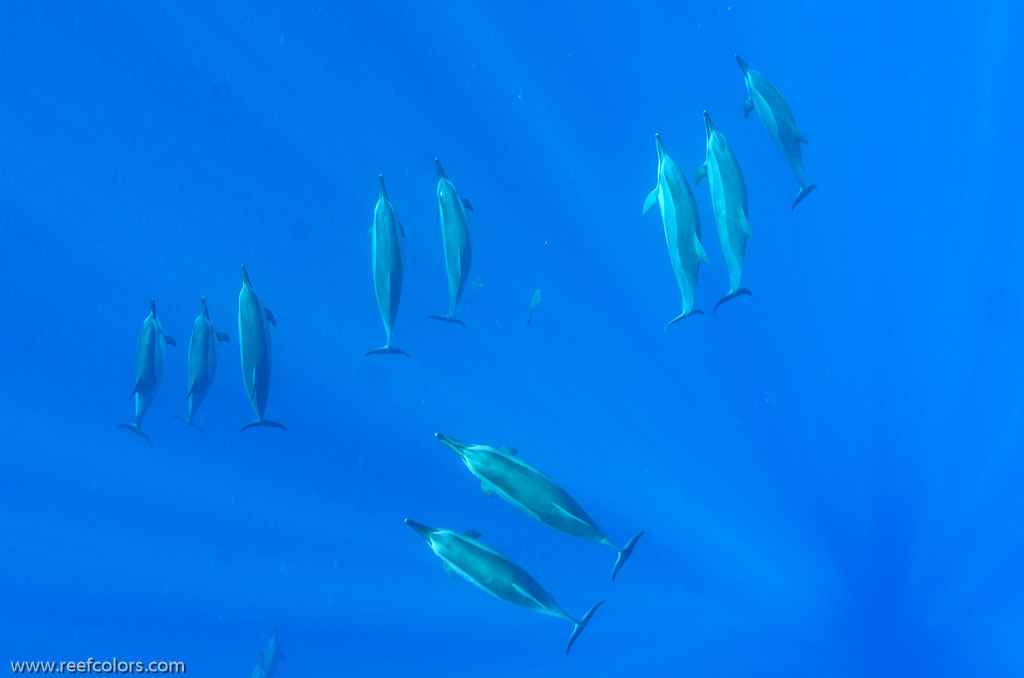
(501, 472)
(386, 235)
(254, 345)
(728, 192)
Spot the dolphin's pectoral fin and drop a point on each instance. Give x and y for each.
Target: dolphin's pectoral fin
(682, 316)
(652, 199)
(270, 317)
(448, 569)
(170, 341)
(624, 554)
(135, 429)
(738, 293)
(748, 106)
(386, 349)
(223, 336)
(190, 423)
(468, 205)
(369, 234)
(804, 192)
(487, 489)
(580, 625)
(699, 249)
(446, 318)
(702, 172)
(472, 534)
(264, 422)
(745, 226)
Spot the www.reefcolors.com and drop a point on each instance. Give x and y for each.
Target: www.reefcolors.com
(112, 666)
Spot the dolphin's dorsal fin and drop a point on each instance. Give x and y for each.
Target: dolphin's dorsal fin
(191, 389)
(526, 594)
(702, 172)
(223, 336)
(468, 205)
(652, 198)
(252, 389)
(509, 451)
(270, 316)
(572, 516)
(448, 569)
(800, 137)
(487, 488)
(472, 534)
(699, 249)
(170, 341)
(401, 229)
(745, 226)
(748, 106)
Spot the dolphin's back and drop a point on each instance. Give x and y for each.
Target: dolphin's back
(458, 250)
(387, 263)
(493, 572)
(254, 345)
(202, 361)
(535, 494)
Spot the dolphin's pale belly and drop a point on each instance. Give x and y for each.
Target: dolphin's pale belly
(387, 270)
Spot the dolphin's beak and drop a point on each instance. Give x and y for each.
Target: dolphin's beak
(455, 446)
(202, 303)
(709, 126)
(380, 183)
(152, 306)
(742, 63)
(421, 529)
(440, 170)
(245, 277)
(661, 146)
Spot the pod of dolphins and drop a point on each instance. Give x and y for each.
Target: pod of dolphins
(500, 471)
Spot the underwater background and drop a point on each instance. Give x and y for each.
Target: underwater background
(828, 471)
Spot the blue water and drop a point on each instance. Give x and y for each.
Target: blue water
(828, 471)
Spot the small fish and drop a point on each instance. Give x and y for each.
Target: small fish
(533, 306)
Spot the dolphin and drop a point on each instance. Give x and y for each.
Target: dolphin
(534, 303)
(258, 672)
(533, 493)
(682, 228)
(458, 251)
(254, 345)
(149, 369)
(271, 657)
(729, 199)
(202, 361)
(386, 236)
(778, 121)
(493, 572)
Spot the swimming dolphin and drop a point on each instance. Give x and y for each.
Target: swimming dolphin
(149, 368)
(258, 672)
(254, 345)
(386, 236)
(271, 657)
(458, 251)
(682, 228)
(533, 493)
(202, 361)
(534, 303)
(729, 199)
(493, 572)
(778, 120)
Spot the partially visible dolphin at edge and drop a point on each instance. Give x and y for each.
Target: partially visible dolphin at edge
(534, 303)
(271, 657)
(254, 346)
(386, 236)
(202, 361)
(778, 121)
(681, 220)
(533, 493)
(458, 250)
(493, 572)
(729, 200)
(149, 369)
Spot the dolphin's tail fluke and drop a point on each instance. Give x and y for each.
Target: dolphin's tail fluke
(580, 625)
(804, 192)
(190, 423)
(446, 318)
(134, 428)
(738, 293)
(264, 422)
(387, 349)
(624, 554)
(681, 316)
